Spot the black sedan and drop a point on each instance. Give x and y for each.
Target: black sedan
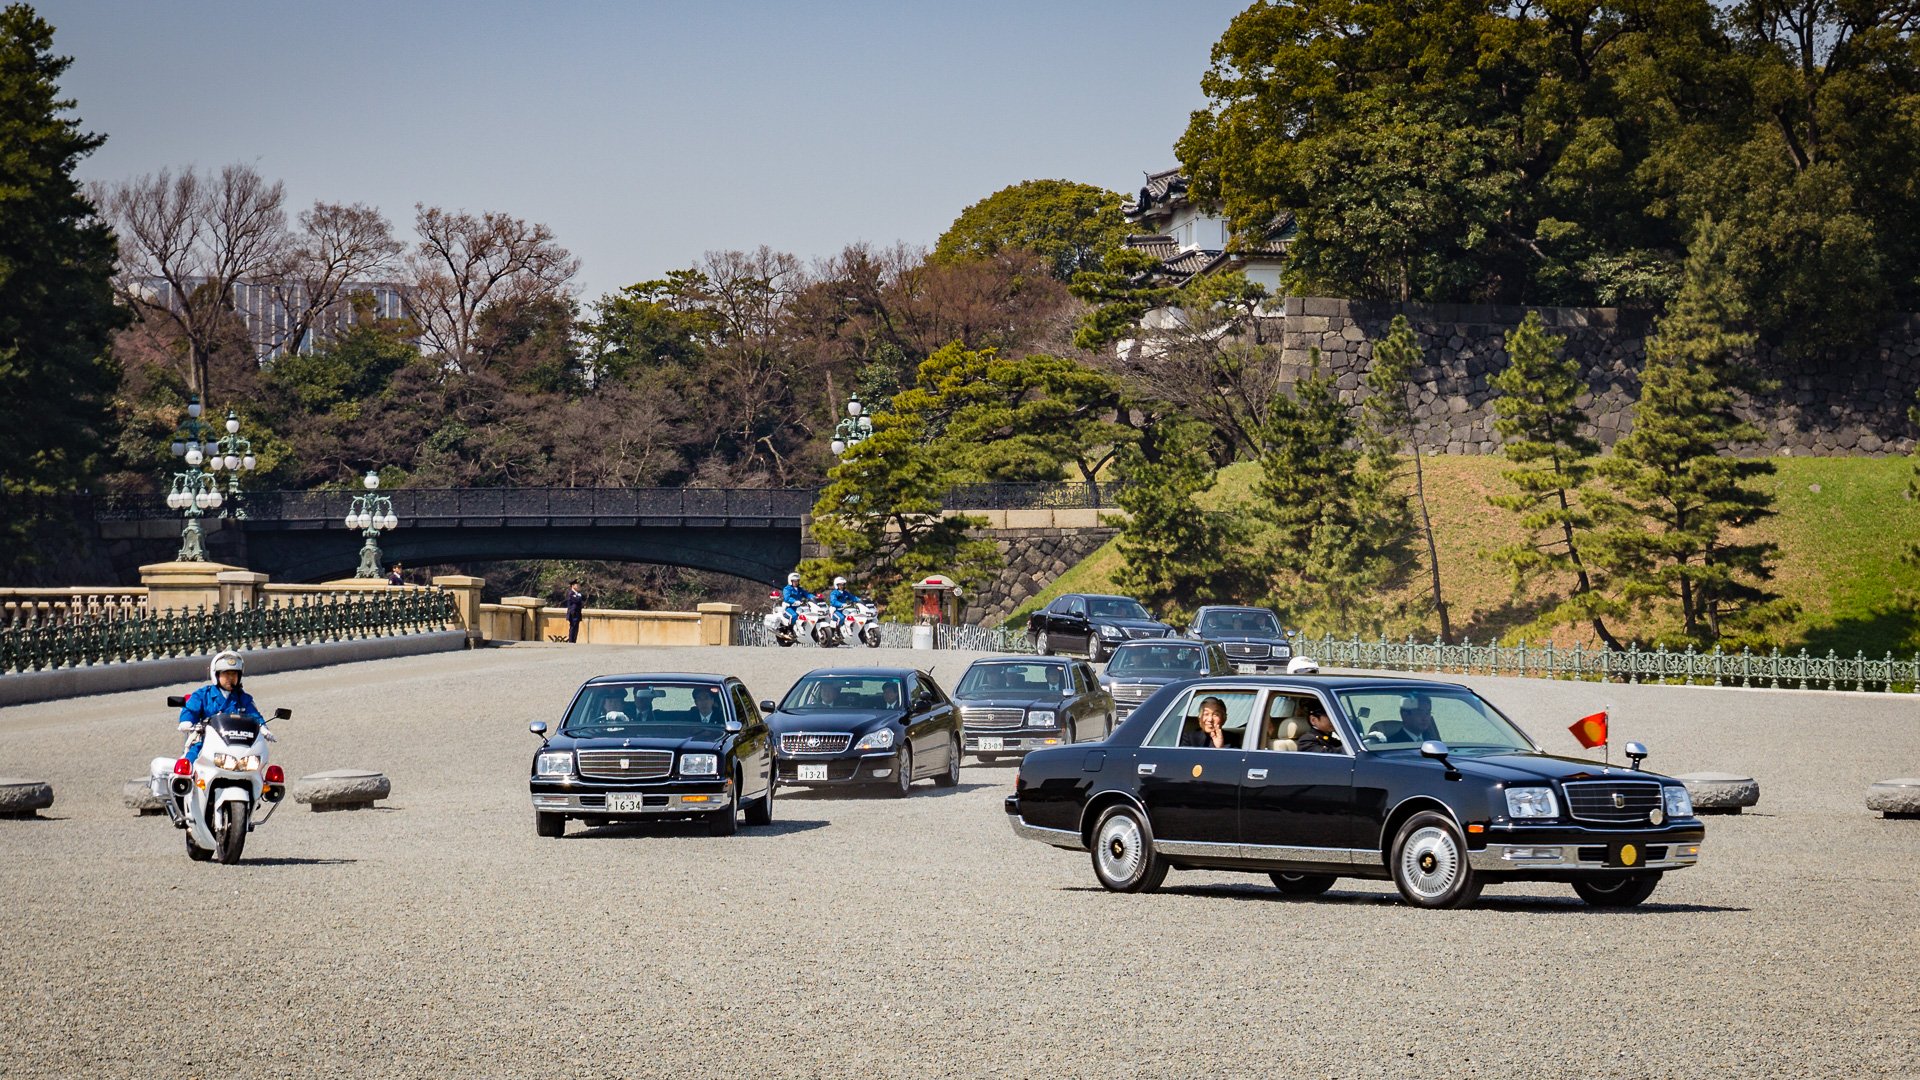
(887, 726)
(1429, 786)
(1009, 705)
(656, 746)
(1251, 637)
(1091, 624)
(1138, 669)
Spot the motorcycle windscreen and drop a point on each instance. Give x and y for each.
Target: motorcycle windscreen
(235, 727)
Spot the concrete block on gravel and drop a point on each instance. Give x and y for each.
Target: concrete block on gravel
(23, 798)
(1895, 798)
(138, 795)
(341, 789)
(1720, 793)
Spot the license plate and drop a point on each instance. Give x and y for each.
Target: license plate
(813, 772)
(992, 744)
(623, 804)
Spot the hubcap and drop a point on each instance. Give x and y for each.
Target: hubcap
(1430, 862)
(1119, 849)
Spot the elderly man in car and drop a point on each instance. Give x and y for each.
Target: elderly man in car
(1211, 730)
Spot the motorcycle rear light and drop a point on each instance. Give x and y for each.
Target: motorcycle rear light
(275, 775)
(183, 767)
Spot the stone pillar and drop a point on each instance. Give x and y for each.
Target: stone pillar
(716, 623)
(466, 601)
(530, 628)
(240, 588)
(183, 586)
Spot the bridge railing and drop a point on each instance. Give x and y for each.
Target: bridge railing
(413, 505)
(30, 642)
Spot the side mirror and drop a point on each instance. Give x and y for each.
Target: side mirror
(1636, 753)
(538, 727)
(769, 706)
(283, 714)
(734, 727)
(176, 702)
(1437, 750)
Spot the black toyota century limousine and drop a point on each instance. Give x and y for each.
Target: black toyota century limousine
(654, 746)
(1431, 787)
(865, 726)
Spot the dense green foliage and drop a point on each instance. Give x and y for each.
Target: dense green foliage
(57, 315)
(1177, 556)
(1446, 150)
(1072, 226)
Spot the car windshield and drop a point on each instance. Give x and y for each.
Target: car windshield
(844, 693)
(1012, 680)
(1394, 718)
(650, 709)
(1115, 607)
(1257, 623)
(1158, 660)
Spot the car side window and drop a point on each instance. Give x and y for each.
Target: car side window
(743, 706)
(1181, 726)
(1059, 607)
(1078, 608)
(1168, 733)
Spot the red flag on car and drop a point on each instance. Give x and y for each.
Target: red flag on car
(1591, 730)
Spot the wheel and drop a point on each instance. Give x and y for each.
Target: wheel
(196, 852)
(231, 838)
(1042, 645)
(785, 640)
(1302, 884)
(1096, 650)
(950, 778)
(1626, 890)
(760, 810)
(1430, 863)
(726, 821)
(549, 825)
(1123, 855)
(903, 775)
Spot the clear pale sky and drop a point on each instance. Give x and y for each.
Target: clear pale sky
(646, 134)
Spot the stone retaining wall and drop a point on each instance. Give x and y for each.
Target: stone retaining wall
(1034, 558)
(1857, 405)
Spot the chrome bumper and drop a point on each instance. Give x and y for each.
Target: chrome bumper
(1060, 838)
(1502, 858)
(651, 804)
(1008, 745)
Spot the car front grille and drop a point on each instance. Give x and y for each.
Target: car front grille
(814, 742)
(987, 719)
(1240, 650)
(1612, 801)
(626, 764)
(1144, 632)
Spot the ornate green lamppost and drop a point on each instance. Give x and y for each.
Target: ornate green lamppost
(233, 454)
(853, 430)
(194, 491)
(371, 514)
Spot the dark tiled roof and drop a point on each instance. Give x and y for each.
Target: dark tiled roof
(1158, 245)
(1161, 188)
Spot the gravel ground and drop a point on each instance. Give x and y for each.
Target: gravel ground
(861, 936)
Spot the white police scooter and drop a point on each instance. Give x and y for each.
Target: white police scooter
(214, 796)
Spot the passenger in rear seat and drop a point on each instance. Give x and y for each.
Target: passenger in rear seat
(1320, 740)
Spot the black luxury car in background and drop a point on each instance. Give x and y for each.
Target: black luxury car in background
(654, 746)
(1092, 624)
(888, 726)
(1250, 636)
(1432, 788)
(1138, 669)
(1009, 705)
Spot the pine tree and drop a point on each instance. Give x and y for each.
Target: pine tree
(1389, 419)
(1677, 494)
(1334, 530)
(1540, 421)
(57, 315)
(1175, 555)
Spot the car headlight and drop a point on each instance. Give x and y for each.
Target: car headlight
(1679, 801)
(553, 763)
(1532, 802)
(879, 740)
(1112, 632)
(699, 764)
(1040, 718)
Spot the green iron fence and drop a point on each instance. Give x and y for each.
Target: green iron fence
(29, 643)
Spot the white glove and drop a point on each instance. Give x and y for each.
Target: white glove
(186, 725)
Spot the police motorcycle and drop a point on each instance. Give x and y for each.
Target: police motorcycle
(213, 796)
(815, 619)
(860, 621)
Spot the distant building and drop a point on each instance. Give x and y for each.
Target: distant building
(269, 311)
(1191, 239)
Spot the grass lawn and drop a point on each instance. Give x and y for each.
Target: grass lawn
(1840, 551)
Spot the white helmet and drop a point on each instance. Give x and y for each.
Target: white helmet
(1301, 665)
(839, 583)
(793, 578)
(224, 661)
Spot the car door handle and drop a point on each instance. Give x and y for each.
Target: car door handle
(1256, 774)
(1145, 770)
